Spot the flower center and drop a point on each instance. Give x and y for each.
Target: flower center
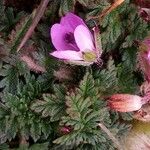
(89, 56)
(69, 38)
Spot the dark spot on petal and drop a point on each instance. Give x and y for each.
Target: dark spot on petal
(69, 38)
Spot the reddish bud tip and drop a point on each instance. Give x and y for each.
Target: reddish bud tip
(125, 102)
(65, 129)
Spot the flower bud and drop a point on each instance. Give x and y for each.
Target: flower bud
(125, 102)
(65, 130)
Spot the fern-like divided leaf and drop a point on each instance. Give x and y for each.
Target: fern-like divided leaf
(16, 117)
(52, 105)
(11, 80)
(11, 75)
(41, 146)
(126, 80)
(21, 29)
(85, 110)
(106, 80)
(87, 86)
(8, 18)
(137, 28)
(66, 6)
(83, 117)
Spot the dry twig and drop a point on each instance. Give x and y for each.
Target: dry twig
(108, 10)
(39, 13)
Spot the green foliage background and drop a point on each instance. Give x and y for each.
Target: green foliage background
(36, 105)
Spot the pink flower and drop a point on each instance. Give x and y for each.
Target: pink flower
(144, 58)
(125, 102)
(73, 41)
(145, 14)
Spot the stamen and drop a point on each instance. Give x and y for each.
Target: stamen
(89, 56)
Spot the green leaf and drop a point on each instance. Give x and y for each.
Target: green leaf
(126, 79)
(106, 80)
(51, 105)
(41, 146)
(82, 116)
(4, 146)
(66, 6)
(23, 25)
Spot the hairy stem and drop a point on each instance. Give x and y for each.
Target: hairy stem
(39, 13)
(110, 135)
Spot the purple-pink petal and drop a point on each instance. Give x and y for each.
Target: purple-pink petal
(145, 14)
(71, 21)
(81, 62)
(83, 38)
(71, 38)
(147, 42)
(58, 35)
(67, 55)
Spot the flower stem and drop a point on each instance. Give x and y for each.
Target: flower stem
(111, 136)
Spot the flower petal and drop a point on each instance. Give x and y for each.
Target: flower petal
(67, 55)
(58, 33)
(147, 42)
(145, 14)
(80, 62)
(83, 38)
(71, 21)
